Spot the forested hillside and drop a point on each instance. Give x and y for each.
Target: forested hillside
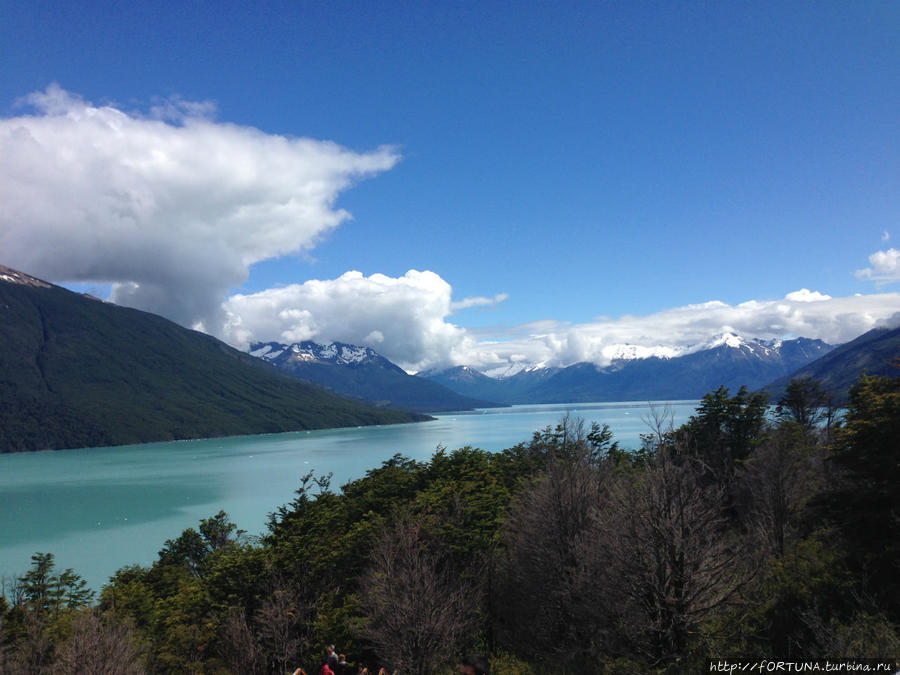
(733, 536)
(78, 372)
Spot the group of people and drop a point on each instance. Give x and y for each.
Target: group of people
(336, 664)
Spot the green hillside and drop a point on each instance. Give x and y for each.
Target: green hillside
(78, 372)
(873, 353)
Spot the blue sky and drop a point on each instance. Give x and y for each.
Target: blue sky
(572, 162)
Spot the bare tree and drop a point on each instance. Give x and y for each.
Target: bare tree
(418, 610)
(776, 481)
(674, 560)
(239, 647)
(33, 651)
(871, 634)
(4, 665)
(100, 645)
(550, 605)
(660, 419)
(280, 630)
(272, 637)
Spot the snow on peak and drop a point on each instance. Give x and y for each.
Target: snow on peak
(726, 339)
(754, 345)
(628, 352)
(268, 351)
(336, 352)
(505, 370)
(261, 351)
(354, 353)
(509, 369)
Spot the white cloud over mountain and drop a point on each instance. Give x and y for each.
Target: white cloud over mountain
(403, 318)
(407, 319)
(172, 208)
(682, 329)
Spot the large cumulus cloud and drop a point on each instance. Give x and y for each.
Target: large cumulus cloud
(171, 208)
(403, 318)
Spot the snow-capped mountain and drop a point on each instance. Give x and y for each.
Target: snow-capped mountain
(513, 369)
(627, 352)
(316, 352)
(362, 373)
(644, 373)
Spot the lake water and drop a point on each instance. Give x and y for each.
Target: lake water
(99, 509)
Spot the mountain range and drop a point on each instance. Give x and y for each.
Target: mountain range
(79, 372)
(634, 374)
(361, 373)
(76, 372)
(728, 360)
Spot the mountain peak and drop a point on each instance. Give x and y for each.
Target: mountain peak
(312, 351)
(361, 373)
(631, 352)
(726, 340)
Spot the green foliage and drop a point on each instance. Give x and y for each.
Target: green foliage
(725, 428)
(463, 500)
(193, 549)
(130, 592)
(569, 440)
(864, 504)
(796, 591)
(47, 592)
(507, 664)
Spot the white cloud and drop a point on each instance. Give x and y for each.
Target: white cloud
(885, 267)
(885, 236)
(682, 329)
(805, 295)
(890, 322)
(479, 301)
(177, 109)
(171, 208)
(407, 320)
(403, 318)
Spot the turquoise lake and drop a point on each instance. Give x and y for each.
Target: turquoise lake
(99, 509)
